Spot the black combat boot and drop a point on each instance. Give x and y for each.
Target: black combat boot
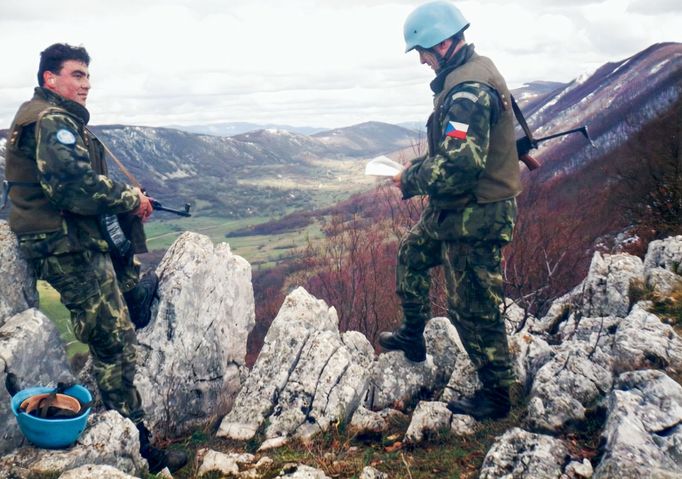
(159, 458)
(491, 403)
(139, 299)
(409, 339)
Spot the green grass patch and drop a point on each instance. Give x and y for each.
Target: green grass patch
(262, 251)
(51, 306)
(341, 454)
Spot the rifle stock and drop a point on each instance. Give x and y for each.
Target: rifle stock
(526, 143)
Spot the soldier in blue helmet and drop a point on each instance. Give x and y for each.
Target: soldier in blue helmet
(471, 176)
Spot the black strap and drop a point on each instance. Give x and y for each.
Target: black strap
(521, 119)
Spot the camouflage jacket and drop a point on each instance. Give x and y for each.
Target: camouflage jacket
(49, 145)
(460, 132)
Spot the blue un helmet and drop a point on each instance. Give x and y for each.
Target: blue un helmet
(431, 23)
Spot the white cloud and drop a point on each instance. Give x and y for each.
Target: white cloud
(655, 7)
(303, 62)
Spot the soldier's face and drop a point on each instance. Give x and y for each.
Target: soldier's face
(427, 57)
(72, 82)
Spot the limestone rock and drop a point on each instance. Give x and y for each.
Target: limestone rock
(529, 352)
(607, 286)
(643, 432)
(191, 353)
(642, 341)
(18, 286)
(365, 421)
(299, 471)
(565, 389)
(326, 385)
(579, 470)
(32, 352)
(95, 472)
(371, 473)
(663, 282)
(444, 346)
(515, 318)
(519, 454)
(398, 383)
(109, 439)
(306, 377)
(222, 463)
(558, 312)
(464, 381)
(666, 254)
(594, 336)
(433, 418)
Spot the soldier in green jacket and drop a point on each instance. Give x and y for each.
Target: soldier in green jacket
(59, 189)
(471, 176)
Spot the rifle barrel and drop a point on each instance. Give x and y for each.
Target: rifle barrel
(582, 129)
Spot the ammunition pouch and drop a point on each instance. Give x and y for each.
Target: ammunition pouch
(119, 245)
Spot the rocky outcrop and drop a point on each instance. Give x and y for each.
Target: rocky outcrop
(190, 360)
(643, 433)
(231, 464)
(366, 421)
(606, 290)
(521, 454)
(191, 355)
(31, 354)
(433, 418)
(598, 334)
(18, 286)
(92, 472)
(108, 440)
(595, 354)
(306, 376)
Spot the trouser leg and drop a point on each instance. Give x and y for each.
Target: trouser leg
(417, 255)
(475, 291)
(89, 289)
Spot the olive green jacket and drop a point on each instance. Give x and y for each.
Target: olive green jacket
(471, 172)
(49, 147)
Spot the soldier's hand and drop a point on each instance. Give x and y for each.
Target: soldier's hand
(144, 210)
(396, 179)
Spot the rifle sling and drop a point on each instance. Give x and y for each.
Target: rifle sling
(118, 162)
(521, 119)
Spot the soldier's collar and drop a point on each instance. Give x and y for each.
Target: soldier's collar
(72, 107)
(457, 60)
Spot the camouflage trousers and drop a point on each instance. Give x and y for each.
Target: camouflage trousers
(89, 288)
(474, 284)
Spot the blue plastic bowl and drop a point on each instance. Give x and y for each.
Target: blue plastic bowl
(51, 433)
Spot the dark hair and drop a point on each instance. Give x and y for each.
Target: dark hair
(53, 57)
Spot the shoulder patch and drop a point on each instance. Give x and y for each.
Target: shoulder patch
(466, 95)
(66, 137)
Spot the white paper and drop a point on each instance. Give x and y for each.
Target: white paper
(383, 166)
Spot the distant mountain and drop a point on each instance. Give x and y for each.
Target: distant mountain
(615, 102)
(616, 196)
(370, 138)
(265, 172)
(535, 92)
(414, 125)
(239, 127)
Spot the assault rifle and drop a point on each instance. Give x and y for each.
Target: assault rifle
(528, 142)
(156, 205)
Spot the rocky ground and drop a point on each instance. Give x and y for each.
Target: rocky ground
(598, 395)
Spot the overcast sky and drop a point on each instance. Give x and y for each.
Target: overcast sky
(322, 63)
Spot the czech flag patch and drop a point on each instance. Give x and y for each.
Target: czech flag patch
(457, 130)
